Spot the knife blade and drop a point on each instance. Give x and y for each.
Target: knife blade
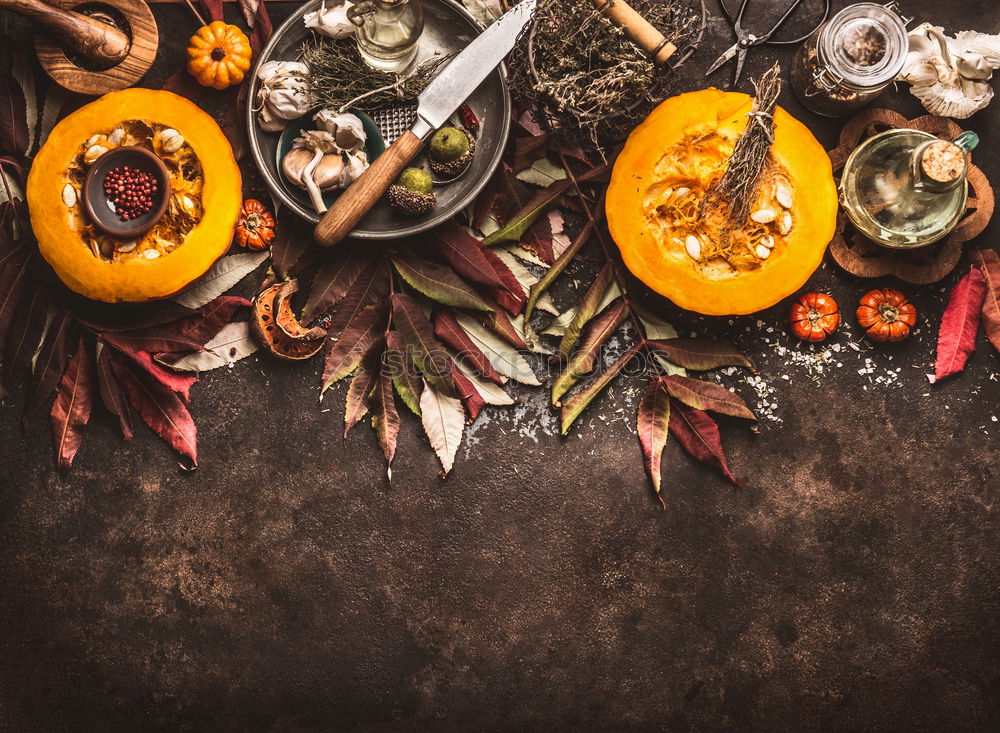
(439, 100)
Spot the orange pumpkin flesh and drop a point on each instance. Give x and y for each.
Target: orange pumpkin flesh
(683, 144)
(59, 230)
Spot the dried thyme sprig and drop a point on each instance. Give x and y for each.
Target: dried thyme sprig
(736, 191)
(340, 78)
(592, 85)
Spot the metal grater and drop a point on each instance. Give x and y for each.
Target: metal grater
(394, 121)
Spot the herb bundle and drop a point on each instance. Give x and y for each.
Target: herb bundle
(585, 80)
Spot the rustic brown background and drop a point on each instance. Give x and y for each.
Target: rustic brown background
(853, 583)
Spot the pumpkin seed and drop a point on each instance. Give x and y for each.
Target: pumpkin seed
(170, 140)
(69, 195)
(783, 194)
(768, 241)
(93, 153)
(116, 136)
(693, 246)
(785, 223)
(764, 216)
(128, 246)
(762, 251)
(150, 254)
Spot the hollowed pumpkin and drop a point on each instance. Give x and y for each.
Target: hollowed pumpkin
(660, 177)
(197, 228)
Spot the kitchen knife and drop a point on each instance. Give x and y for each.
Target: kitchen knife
(435, 105)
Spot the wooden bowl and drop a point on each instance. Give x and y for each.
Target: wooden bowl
(99, 206)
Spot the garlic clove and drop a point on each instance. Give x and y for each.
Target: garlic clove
(331, 22)
(764, 216)
(294, 163)
(693, 247)
(356, 164)
(327, 173)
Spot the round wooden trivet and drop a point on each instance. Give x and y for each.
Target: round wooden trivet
(145, 40)
(860, 256)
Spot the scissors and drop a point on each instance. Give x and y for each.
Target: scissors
(746, 40)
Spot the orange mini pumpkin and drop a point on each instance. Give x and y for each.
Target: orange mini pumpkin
(255, 227)
(218, 55)
(814, 316)
(886, 315)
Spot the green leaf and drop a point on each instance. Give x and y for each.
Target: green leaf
(575, 405)
(598, 332)
(428, 354)
(652, 426)
(703, 395)
(700, 354)
(439, 283)
(586, 309)
(399, 366)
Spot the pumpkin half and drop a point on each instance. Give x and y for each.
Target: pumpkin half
(197, 228)
(654, 213)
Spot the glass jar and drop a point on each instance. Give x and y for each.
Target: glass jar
(906, 188)
(850, 59)
(388, 31)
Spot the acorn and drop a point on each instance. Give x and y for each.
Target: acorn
(413, 192)
(450, 151)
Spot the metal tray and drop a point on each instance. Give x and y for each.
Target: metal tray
(448, 28)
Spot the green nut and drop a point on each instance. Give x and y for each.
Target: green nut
(449, 144)
(416, 180)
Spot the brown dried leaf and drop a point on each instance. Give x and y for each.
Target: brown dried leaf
(71, 409)
(652, 427)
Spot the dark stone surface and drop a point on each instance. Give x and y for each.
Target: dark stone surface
(851, 584)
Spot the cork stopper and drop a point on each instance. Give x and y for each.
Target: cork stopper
(943, 161)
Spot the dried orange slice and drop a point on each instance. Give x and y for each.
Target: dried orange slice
(274, 323)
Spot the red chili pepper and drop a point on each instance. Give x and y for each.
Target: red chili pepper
(469, 120)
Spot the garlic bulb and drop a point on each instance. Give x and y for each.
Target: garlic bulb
(301, 163)
(347, 129)
(331, 21)
(283, 94)
(950, 76)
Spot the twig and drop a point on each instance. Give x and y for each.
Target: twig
(197, 14)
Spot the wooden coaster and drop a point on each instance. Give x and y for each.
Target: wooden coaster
(145, 40)
(860, 256)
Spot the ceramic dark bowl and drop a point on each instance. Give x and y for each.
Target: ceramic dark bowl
(99, 206)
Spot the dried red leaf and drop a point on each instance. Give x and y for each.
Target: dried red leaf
(356, 405)
(344, 355)
(529, 149)
(447, 328)
(703, 395)
(13, 118)
(72, 406)
(512, 296)
(210, 318)
(989, 264)
(959, 324)
(172, 380)
(24, 335)
(466, 255)
(698, 434)
(290, 242)
(652, 427)
(333, 281)
(467, 392)
(111, 392)
(13, 278)
(429, 356)
(385, 421)
(160, 408)
(50, 364)
(440, 284)
(700, 354)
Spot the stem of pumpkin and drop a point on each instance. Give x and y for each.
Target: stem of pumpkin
(606, 249)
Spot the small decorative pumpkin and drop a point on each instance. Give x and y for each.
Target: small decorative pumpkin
(886, 315)
(814, 316)
(218, 55)
(279, 330)
(653, 207)
(255, 226)
(197, 228)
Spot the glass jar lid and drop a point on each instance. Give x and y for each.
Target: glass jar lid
(864, 45)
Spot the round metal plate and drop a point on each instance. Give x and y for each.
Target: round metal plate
(448, 28)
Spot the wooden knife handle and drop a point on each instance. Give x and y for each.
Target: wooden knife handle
(352, 205)
(97, 41)
(641, 32)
